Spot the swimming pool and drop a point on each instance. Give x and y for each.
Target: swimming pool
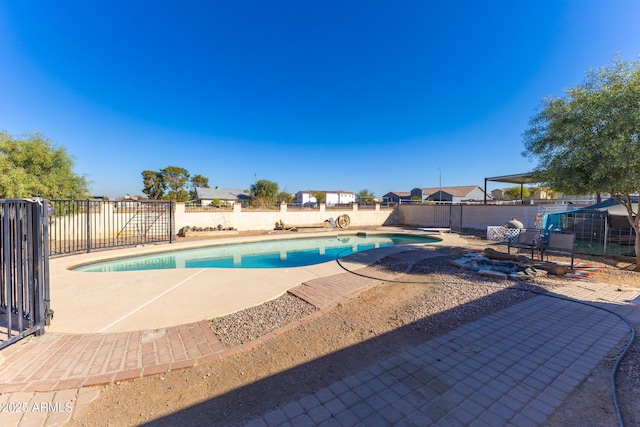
(281, 253)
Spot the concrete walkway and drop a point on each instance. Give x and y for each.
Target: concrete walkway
(513, 367)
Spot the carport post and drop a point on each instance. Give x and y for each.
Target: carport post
(485, 191)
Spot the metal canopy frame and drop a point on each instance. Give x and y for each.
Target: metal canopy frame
(519, 178)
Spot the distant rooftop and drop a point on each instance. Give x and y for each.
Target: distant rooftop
(220, 193)
(326, 191)
(459, 191)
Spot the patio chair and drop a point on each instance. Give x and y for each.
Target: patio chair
(560, 244)
(527, 239)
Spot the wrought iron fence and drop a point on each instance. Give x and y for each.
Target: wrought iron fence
(86, 225)
(221, 207)
(24, 269)
(303, 206)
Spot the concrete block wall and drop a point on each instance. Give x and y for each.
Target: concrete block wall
(247, 219)
(475, 217)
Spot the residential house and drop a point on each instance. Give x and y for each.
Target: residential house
(205, 196)
(397, 197)
(540, 193)
(499, 193)
(333, 197)
(534, 193)
(461, 194)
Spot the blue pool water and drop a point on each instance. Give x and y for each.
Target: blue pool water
(264, 254)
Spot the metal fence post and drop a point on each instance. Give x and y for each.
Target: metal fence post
(88, 224)
(38, 277)
(48, 313)
(8, 251)
(171, 221)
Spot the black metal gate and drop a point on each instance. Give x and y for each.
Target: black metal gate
(86, 225)
(24, 269)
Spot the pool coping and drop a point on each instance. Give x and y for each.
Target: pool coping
(160, 248)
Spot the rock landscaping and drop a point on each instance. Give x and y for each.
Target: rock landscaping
(491, 263)
(189, 231)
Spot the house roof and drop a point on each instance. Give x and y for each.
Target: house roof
(459, 191)
(326, 191)
(399, 193)
(220, 193)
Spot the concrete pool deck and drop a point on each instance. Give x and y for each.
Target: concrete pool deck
(142, 300)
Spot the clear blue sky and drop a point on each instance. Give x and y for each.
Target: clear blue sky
(313, 95)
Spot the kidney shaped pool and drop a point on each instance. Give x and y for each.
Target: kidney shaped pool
(282, 253)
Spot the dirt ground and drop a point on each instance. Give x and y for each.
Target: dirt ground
(347, 339)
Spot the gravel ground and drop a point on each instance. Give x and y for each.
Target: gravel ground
(458, 296)
(255, 322)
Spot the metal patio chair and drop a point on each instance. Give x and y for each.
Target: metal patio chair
(527, 239)
(559, 244)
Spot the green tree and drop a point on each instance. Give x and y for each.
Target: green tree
(176, 179)
(365, 196)
(154, 184)
(32, 164)
(589, 140)
(264, 192)
(319, 196)
(515, 192)
(198, 181)
(284, 197)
